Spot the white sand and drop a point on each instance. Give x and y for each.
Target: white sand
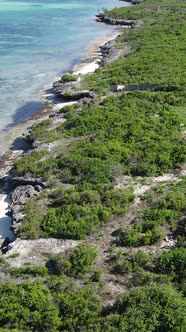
(86, 68)
(35, 251)
(5, 221)
(58, 106)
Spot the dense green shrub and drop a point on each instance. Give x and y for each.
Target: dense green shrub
(27, 307)
(76, 263)
(43, 132)
(83, 210)
(32, 164)
(157, 56)
(29, 270)
(136, 236)
(120, 133)
(151, 308)
(68, 78)
(173, 263)
(79, 310)
(30, 226)
(124, 264)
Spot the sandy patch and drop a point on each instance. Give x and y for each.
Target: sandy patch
(58, 106)
(86, 69)
(35, 252)
(5, 221)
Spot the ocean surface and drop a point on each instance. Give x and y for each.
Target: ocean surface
(40, 40)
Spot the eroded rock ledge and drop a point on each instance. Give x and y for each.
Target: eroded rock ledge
(101, 17)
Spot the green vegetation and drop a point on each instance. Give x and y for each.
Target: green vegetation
(34, 214)
(173, 263)
(158, 51)
(75, 213)
(149, 308)
(42, 132)
(139, 261)
(29, 270)
(27, 307)
(116, 140)
(131, 276)
(30, 307)
(30, 164)
(68, 78)
(166, 206)
(76, 263)
(137, 236)
(79, 310)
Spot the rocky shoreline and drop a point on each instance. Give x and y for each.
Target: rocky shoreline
(20, 189)
(102, 18)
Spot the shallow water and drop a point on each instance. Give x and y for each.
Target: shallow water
(39, 40)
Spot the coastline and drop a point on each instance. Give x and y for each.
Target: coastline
(17, 145)
(86, 66)
(96, 202)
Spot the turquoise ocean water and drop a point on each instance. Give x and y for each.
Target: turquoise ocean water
(39, 40)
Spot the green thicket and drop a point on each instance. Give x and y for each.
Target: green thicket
(75, 213)
(157, 49)
(68, 78)
(27, 307)
(166, 207)
(75, 263)
(33, 307)
(149, 308)
(137, 133)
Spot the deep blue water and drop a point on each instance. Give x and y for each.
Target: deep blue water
(39, 40)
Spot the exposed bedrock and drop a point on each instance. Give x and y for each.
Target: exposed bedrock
(22, 193)
(24, 181)
(113, 21)
(134, 2)
(77, 95)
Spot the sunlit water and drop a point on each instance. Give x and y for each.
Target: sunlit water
(39, 40)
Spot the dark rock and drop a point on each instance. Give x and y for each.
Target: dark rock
(121, 22)
(17, 217)
(77, 95)
(2, 240)
(15, 229)
(85, 101)
(110, 53)
(22, 181)
(35, 144)
(134, 2)
(6, 248)
(21, 194)
(38, 188)
(7, 241)
(68, 91)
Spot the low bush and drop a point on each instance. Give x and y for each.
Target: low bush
(76, 263)
(68, 78)
(28, 270)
